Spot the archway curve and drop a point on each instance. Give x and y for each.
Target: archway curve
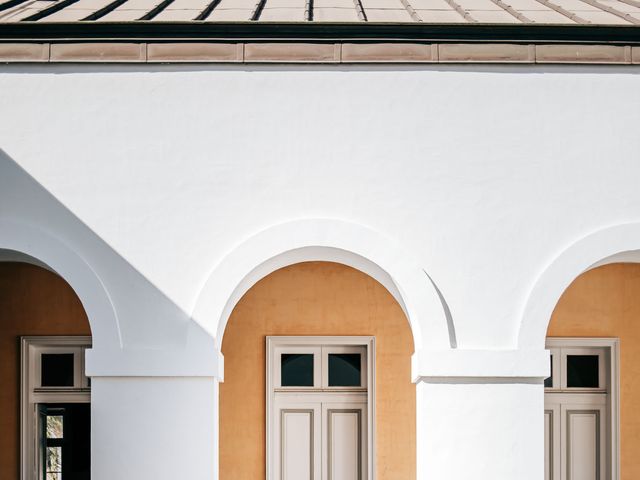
(608, 245)
(327, 240)
(44, 247)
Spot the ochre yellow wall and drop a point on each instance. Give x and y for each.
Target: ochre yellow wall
(315, 298)
(605, 302)
(33, 301)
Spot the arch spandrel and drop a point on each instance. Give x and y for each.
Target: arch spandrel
(326, 240)
(44, 247)
(608, 245)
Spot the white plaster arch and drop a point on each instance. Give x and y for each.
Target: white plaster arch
(609, 245)
(329, 240)
(43, 246)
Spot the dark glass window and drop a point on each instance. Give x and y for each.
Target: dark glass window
(548, 382)
(57, 370)
(66, 433)
(582, 371)
(344, 369)
(296, 370)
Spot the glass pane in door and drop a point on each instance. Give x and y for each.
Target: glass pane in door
(296, 370)
(56, 370)
(582, 371)
(344, 370)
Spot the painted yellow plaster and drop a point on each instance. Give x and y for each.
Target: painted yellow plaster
(315, 298)
(605, 302)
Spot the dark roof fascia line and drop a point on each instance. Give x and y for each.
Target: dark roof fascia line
(364, 32)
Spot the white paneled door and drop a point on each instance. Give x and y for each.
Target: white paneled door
(578, 420)
(320, 441)
(585, 442)
(575, 438)
(318, 410)
(298, 441)
(343, 456)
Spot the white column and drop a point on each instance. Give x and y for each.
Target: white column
(488, 431)
(480, 414)
(156, 428)
(154, 412)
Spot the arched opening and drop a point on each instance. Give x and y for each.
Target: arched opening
(39, 305)
(333, 241)
(619, 243)
(23, 241)
(582, 307)
(326, 299)
(603, 303)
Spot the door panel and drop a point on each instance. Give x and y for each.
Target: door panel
(297, 442)
(344, 440)
(575, 437)
(584, 444)
(552, 426)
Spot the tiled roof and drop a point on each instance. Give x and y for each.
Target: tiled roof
(549, 12)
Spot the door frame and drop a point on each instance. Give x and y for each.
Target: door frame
(612, 345)
(31, 347)
(368, 342)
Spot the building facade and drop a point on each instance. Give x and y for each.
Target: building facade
(287, 250)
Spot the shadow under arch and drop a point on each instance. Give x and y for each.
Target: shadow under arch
(44, 249)
(619, 243)
(335, 241)
(138, 329)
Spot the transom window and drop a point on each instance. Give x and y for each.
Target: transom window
(578, 369)
(320, 367)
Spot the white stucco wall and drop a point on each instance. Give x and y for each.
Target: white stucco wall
(481, 175)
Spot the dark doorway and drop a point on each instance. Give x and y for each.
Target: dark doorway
(66, 434)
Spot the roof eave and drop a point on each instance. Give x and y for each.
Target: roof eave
(320, 32)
